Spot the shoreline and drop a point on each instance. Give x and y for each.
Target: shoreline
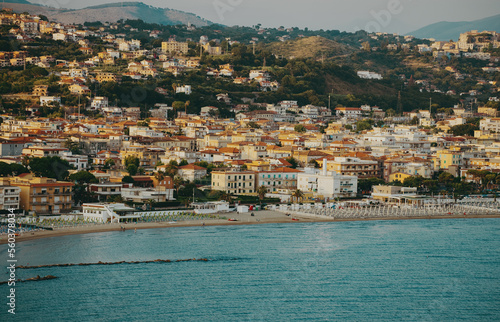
(261, 217)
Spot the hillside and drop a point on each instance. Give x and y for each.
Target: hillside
(112, 13)
(445, 31)
(311, 47)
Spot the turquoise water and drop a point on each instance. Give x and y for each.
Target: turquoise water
(411, 270)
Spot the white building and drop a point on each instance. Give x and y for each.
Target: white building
(99, 102)
(46, 100)
(327, 184)
(107, 212)
(145, 131)
(186, 89)
(369, 75)
(79, 162)
(144, 194)
(490, 124)
(211, 207)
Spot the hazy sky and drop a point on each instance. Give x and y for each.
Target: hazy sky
(374, 15)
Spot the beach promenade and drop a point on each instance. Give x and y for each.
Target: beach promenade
(294, 213)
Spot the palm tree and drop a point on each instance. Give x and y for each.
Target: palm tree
(262, 193)
(178, 181)
(160, 175)
(298, 195)
(225, 196)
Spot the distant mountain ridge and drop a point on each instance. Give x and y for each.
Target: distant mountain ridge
(444, 30)
(111, 12)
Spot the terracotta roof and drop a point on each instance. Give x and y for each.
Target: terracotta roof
(192, 167)
(285, 162)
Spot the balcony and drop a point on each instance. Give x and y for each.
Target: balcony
(39, 194)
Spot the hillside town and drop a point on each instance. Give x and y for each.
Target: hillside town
(114, 121)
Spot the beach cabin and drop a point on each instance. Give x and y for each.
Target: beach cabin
(211, 207)
(109, 212)
(242, 209)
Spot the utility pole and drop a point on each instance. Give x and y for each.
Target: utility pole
(400, 106)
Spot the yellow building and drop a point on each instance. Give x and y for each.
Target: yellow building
(44, 196)
(174, 47)
(399, 176)
(446, 158)
(237, 182)
(107, 77)
(490, 111)
(148, 157)
(258, 165)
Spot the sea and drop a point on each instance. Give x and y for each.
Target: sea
(406, 270)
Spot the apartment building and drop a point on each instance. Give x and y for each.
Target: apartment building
(278, 179)
(174, 47)
(324, 184)
(236, 182)
(9, 195)
(352, 166)
(43, 196)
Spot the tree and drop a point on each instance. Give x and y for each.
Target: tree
(73, 146)
(297, 195)
(464, 129)
(109, 163)
(178, 181)
(299, 128)
(177, 105)
(51, 167)
(81, 191)
(446, 178)
(12, 169)
(131, 160)
(83, 177)
(262, 192)
(225, 196)
(366, 185)
(128, 179)
(314, 163)
(294, 163)
(183, 163)
(132, 169)
(253, 125)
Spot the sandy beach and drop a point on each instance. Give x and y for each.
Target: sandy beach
(261, 217)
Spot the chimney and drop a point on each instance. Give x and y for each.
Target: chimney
(324, 166)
